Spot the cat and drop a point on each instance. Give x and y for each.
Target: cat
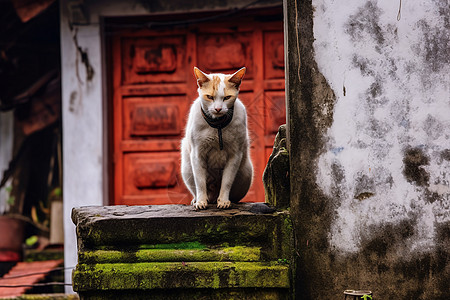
(215, 155)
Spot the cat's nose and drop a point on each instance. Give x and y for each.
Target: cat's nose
(218, 109)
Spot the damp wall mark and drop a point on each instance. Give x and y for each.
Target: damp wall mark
(414, 162)
(74, 102)
(391, 120)
(83, 58)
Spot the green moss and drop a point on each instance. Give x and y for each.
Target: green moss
(287, 236)
(283, 261)
(180, 275)
(185, 245)
(239, 253)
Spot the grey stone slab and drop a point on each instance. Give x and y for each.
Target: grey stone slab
(122, 227)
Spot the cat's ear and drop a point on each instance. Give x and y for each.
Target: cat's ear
(201, 77)
(236, 78)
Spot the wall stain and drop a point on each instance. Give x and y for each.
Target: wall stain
(378, 129)
(363, 64)
(366, 21)
(337, 172)
(376, 89)
(431, 197)
(435, 45)
(413, 160)
(364, 195)
(445, 154)
(433, 127)
(83, 54)
(380, 239)
(73, 101)
(85, 61)
(364, 187)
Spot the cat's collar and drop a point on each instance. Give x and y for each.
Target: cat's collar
(219, 123)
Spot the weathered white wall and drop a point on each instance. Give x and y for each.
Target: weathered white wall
(6, 151)
(387, 156)
(84, 115)
(82, 122)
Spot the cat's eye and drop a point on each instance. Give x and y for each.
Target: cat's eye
(226, 98)
(210, 97)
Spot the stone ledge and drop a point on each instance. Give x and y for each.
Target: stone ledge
(201, 275)
(82, 214)
(127, 227)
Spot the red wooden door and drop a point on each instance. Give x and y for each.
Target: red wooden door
(154, 86)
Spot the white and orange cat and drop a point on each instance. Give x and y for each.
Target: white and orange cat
(215, 160)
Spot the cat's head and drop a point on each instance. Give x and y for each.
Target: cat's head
(218, 92)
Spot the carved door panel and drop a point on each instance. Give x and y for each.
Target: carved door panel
(154, 86)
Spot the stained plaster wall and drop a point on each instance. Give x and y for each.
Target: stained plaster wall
(84, 98)
(369, 112)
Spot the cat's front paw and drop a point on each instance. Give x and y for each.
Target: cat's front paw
(199, 204)
(221, 203)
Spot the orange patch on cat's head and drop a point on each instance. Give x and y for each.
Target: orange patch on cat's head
(204, 82)
(210, 84)
(215, 84)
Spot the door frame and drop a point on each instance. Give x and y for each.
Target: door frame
(111, 80)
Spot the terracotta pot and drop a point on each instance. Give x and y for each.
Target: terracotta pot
(11, 237)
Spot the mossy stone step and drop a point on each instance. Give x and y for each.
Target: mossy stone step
(176, 252)
(174, 275)
(238, 253)
(129, 227)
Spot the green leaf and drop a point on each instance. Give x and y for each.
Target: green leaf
(11, 200)
(57, 192)
(31, 240)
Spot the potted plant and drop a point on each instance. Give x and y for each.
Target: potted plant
(12, 228)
